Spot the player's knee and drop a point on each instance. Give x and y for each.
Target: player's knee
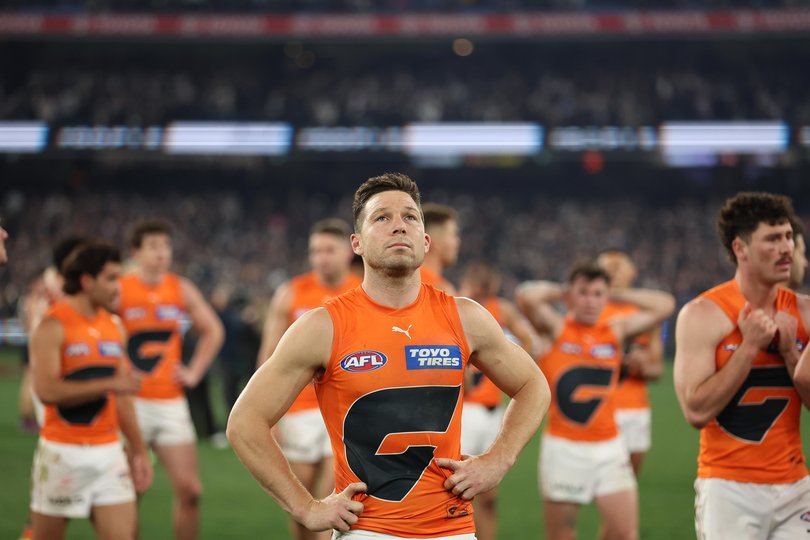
(189, 492)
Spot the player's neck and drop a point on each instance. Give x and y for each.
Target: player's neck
(758, 294)
(395, 292)
(81, 303)
(150, 277)
(331, 282)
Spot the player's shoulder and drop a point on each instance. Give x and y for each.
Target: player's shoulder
(702, 308)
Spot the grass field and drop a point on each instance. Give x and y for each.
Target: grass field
(235, 507)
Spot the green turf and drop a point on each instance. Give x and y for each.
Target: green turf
(235, 507)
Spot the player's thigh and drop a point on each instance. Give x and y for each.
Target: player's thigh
(48, 527)
(115, 521)
(792, 515)
(619, 512)
(181, 464)
(727, 510)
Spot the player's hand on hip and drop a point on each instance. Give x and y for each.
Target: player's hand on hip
(471, 475)
(141, 470)
(337, 511)
(756, 326)
(186, 378)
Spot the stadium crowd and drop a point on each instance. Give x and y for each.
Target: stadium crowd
(387, 6)
(627, 84)
(253, 243)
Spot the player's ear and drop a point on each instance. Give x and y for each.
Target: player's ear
(357, 248)
(738, 246)
(427, 242)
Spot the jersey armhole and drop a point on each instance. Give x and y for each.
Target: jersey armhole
(327, 372)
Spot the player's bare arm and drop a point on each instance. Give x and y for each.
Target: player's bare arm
(137, 452)
(49, 385)
(276, 322)
(797, 363)
(703, 391)
(520, 327)
(210, 330)
(535, 299)
(514, 372)
(647, 361)
(654, 307)
(301, 354)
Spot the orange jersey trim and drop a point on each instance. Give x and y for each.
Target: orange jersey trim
(391, 397)
(92, 348)
(756, 438)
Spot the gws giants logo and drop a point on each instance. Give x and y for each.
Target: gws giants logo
(363, 361)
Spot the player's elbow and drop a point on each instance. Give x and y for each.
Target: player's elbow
(696, 419)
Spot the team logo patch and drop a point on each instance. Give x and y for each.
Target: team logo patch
(799, 345)
(603, 350)
(134, 313)
(433, 357)
(363, 361)
(165, 313)
(110, 348)
(731, 347)
(570, 348)
(456, 510)
(805, 517)
(77, 349)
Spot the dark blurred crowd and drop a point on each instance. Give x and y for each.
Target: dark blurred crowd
(383, 6)
(628, 84)
(249, 245)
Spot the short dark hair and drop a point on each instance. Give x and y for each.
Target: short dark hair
(333, 226)
(65, 247)
(378, 184)
(742, 214)
(438, 214)
(89, 258)
(588, 270)
(147, 227)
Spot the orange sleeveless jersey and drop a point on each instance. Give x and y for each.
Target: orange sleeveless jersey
(756, 437)
(152, 316)
(582, 369)
(92, 348)
(391, 397)
(631, 392)
(308, 293)
(483, 391)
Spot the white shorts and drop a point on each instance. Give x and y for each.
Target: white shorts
(635, 425)
(728, 510)
(576, 472)
(479, 427)
(165, 422)
(304, 438)
(68, 480)
(360, 535)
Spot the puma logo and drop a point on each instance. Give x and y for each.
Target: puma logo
(401, 331)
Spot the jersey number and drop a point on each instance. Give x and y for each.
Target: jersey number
(85, 413)
(581, 411)
(136, 343)
(752, 422)
(375, 416)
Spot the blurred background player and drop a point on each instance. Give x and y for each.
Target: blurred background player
(642, 361)
(81, 374)
(483, 401)
(441, 224)
(302, 432)
(583, 457)
(153, 302)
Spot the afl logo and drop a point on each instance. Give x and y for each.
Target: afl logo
(363, 361)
